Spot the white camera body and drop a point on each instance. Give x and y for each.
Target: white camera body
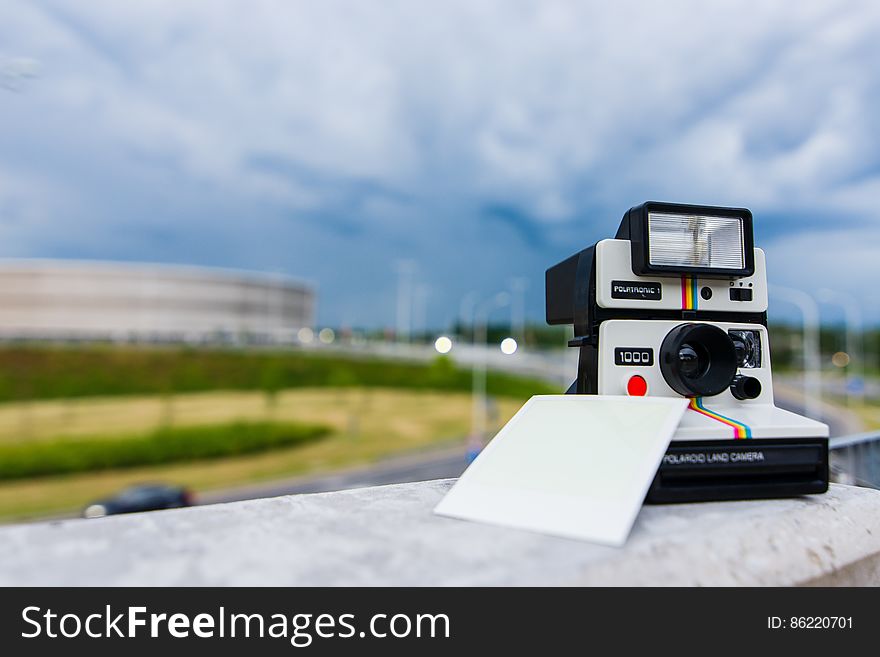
(690, 331)
(638, 342)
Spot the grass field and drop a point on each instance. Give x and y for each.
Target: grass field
(366, 424)
(868, 413)
(37, 372)
(160, 446)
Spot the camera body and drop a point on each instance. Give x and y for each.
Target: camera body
(676, 305)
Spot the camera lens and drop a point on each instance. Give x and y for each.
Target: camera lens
(698, 359)
(689, 361)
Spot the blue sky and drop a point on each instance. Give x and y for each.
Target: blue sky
(481, 140)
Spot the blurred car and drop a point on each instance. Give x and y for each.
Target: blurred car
(144, 497)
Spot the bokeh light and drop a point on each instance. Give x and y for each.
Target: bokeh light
(443, 345)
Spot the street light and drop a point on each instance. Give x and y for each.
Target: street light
(405, 271)
(812, 358)
(518, 308)
(419, 313)
(852, 314)
(443, 344)
(326, 335)
(508, 346)
(466, 311)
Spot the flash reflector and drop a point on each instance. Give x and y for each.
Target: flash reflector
(671, 239)
(679, 240)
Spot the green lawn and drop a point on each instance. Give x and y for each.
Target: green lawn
(57, 372)
(156, 447)
(365, 424)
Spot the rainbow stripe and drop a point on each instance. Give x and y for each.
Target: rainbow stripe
(689, 298)
(740, 430)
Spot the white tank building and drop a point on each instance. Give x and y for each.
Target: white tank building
(83, 300)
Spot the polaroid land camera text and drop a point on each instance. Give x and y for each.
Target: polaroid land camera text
(676, 304)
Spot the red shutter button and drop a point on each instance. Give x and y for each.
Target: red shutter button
(636, 386)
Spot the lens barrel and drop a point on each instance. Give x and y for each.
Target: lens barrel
(698, 360)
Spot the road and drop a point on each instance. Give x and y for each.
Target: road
(422, 466)
(840, 421)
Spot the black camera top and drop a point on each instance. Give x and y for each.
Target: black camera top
(671, 239)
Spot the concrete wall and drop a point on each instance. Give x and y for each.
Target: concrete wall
(74, 299)
(388, 535)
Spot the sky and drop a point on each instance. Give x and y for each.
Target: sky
(481, 141)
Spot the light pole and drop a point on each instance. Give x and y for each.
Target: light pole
(466, 311)
(518, 309)
(405, 270)
(478, 372)
(420, 309)
(812, 358)
(852, 314)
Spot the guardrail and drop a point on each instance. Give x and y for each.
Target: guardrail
(856, 459)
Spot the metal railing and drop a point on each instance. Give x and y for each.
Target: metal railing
(856, 459)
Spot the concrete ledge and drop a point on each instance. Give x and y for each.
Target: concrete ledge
(388, 536)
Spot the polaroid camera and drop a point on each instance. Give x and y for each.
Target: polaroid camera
(676, 305)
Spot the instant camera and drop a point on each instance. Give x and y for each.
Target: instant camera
(676, 305)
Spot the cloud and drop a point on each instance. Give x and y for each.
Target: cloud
(482, 140)
(841, 264)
